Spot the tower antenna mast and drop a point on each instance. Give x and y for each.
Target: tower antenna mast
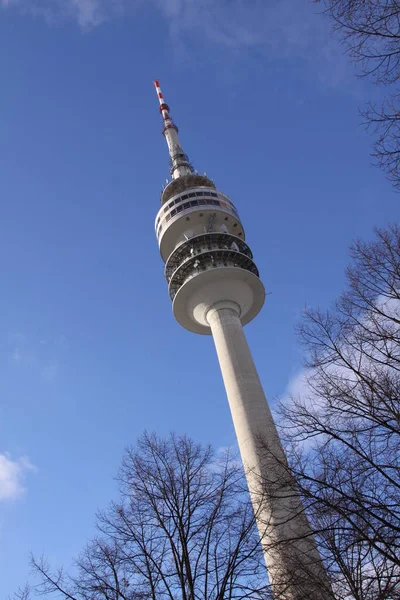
(180, 165)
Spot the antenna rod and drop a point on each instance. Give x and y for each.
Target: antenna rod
(180, 165)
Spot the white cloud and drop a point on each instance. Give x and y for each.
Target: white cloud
(371, 347)
(300, 388)
(12, 474)
(297, 386)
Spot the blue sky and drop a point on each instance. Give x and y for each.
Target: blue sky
(90, 355)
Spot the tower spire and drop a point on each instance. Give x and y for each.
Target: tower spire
(180, 164)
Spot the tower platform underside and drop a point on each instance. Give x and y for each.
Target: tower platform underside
(203, 291)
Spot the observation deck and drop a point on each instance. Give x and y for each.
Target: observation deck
(204, 252)
(202, 242)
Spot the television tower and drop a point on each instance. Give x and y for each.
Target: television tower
(215, 289)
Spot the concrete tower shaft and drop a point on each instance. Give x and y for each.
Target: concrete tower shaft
(293, 562)
(215, 289)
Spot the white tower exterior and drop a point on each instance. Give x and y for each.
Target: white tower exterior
(215, 289)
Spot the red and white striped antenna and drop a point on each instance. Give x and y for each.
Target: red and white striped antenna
(164, 109)
(180, 164)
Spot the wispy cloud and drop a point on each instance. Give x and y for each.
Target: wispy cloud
(277, 29)
(382, 326)
(297, 387)
(51, 370)
(16, 355)
(315, 390)
(42, 357)
(87, 13)
(12, 475)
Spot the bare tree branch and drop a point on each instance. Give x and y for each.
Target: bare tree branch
(344, 430)
(370, 31)
(184, 528)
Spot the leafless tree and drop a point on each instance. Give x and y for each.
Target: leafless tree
(184, 529)
(370, 30)
(343, 428)
(23, 593)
